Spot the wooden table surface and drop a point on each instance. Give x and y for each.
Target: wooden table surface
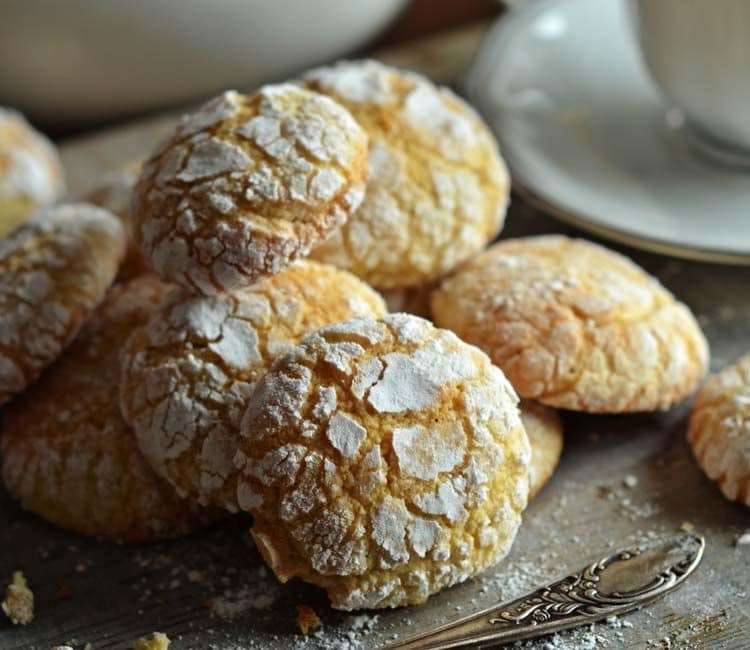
(210, 591)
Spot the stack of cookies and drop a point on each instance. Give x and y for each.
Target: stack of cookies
(212, 339)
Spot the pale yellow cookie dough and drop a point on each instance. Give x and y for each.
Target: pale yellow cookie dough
(188, 375)
(383, 460)
(719, 431)
(54, 271)
(575, 325)
(31, 175)
(437, 189)
(248, 184)
(67, 454)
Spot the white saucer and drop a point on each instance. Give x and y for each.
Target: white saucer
(586, 134)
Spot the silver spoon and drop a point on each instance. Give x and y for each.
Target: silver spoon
(611, 586)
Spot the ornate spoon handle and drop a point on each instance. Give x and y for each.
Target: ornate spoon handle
(612, 585)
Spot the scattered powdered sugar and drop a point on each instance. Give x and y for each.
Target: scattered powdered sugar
(353, 633)
(234, 603)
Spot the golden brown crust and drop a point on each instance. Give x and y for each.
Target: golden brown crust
(575, 325)
(54, 271)
(719, 431)
(544, 428)
(68, 455)
(31, 175)
(188, 374)
(437, 189)
(248, 184)
(383, 460)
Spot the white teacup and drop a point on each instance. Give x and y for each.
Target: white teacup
(698, 52)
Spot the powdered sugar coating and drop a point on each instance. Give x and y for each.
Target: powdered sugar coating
(54, 271)
(437, 189)
(383, 501)
(67, 453)
(31, 175)
(189, 373)
(575, 325)
(719, 431)
(248, 184)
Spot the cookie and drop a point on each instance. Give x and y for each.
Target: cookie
(54, 271)
(188, 375)
(114, 192)
(545, 431)
(248, 184)
(31, 175)
(383, 460)
(437, 189)
(575, 325)
(719, 431)
(67, 453)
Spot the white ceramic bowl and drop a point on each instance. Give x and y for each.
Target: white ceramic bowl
(84, 60)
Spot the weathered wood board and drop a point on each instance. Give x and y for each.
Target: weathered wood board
(211, 591)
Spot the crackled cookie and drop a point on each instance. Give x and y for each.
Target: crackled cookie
(383, 460)
(248, 184)
(437, 189)
(719, 431)
(114, 192)
(31, 175)
(68, 455)
(187, 376)
(54, 271)
(544, 428)
(575, 325)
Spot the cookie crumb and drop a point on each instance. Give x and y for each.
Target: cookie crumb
(687, 527)
(630, 481)
(307, 619)
(158, 641)
(19, 601)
